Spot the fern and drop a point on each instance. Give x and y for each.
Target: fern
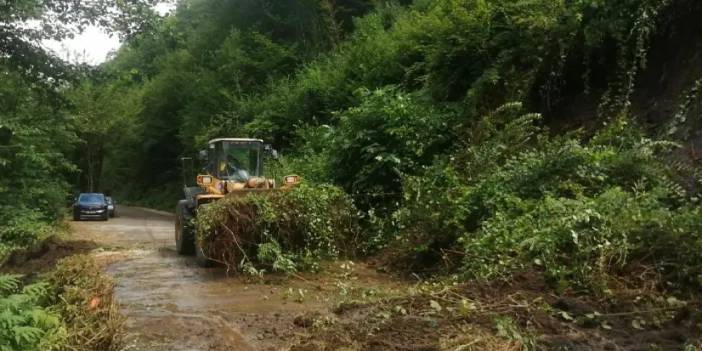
(24, 323)
(9, 282)
(35, 291)
(673, 188)
(24, 335)
(9, 318)
(40, 318)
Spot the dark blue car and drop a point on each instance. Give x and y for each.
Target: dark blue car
(90, 205)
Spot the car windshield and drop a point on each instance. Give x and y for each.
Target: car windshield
(91, 198)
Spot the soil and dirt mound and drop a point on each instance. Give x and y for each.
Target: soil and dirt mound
(502, 316)
(45, 255)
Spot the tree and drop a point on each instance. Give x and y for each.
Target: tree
(24, 23)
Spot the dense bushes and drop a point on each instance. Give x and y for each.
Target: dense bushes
(285, 230)
(578, 211)
(388, 135)
(490, 196)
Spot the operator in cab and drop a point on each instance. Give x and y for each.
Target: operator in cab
(233, 169)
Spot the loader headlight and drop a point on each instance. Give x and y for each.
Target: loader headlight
(206, 180)
(291, 179)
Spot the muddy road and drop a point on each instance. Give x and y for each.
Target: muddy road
(172, 304)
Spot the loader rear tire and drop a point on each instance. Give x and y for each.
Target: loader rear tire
(184, 233)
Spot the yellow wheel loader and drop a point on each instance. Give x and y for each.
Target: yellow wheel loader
(230, 167)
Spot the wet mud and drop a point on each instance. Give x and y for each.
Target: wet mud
(172, 304)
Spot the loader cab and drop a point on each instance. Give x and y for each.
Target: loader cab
(234, 159)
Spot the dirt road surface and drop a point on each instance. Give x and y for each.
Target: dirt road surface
(172, 304)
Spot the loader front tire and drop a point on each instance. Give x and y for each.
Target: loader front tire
(184, 233)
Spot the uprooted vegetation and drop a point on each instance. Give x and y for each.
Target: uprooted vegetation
(514, 315)
(567, 242)
(68, 308)
(283, 231)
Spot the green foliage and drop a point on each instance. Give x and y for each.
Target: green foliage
(285, 230)
(193, 76)
(388, 135)
(369, 59)
(311, 157)
(21, 227)
(508, 329)
(33, 165)
(271, 254)
(578, 211)
(57, 20)
(250, 58)
(300, 74)
(25, 322)
(472, 53)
